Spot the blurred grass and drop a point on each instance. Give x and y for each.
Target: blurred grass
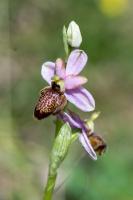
(31, 34)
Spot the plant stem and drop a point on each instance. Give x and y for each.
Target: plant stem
(49, 189)
(48, 192)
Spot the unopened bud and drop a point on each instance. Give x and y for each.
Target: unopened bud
(74, 37)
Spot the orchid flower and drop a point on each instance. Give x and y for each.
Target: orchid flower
(66, 84)
(91, 142)
(71, 81)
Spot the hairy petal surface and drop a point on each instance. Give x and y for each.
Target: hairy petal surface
(76, 62)
(60, 68)
(72, 82)
(87, 145)
(48, 71)
(81, 98)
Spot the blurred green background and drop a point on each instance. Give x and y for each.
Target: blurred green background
(30, 34)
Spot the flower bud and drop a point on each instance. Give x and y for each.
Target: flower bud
(74, 37)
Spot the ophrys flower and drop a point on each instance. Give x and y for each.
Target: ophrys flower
(68, 78)
(92, 142)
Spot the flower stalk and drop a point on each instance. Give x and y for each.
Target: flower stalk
(59, 151)
(48, 192)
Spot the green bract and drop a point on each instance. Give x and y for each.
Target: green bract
(60, 147)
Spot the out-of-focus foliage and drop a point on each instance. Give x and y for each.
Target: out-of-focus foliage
(31, 33)
(113, 7)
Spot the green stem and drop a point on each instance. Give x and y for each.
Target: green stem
(49, 189)
(48, 192)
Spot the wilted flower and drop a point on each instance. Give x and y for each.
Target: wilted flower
(92, 142)
(74, 37)
(68, 79)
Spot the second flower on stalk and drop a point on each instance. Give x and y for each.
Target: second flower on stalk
(92, 142)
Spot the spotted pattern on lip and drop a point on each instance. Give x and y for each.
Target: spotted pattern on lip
(51, 101)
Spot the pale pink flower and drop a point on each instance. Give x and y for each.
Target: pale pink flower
(73, 82)
(91, 142)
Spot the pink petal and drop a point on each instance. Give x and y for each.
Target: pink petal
(48, 71)
(72, 82)
(81, 98)
(76, 62)
(87, 145)
(75, 123)
(60, 68)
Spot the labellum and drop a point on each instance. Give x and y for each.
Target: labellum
(51, 101)
(97, 143)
